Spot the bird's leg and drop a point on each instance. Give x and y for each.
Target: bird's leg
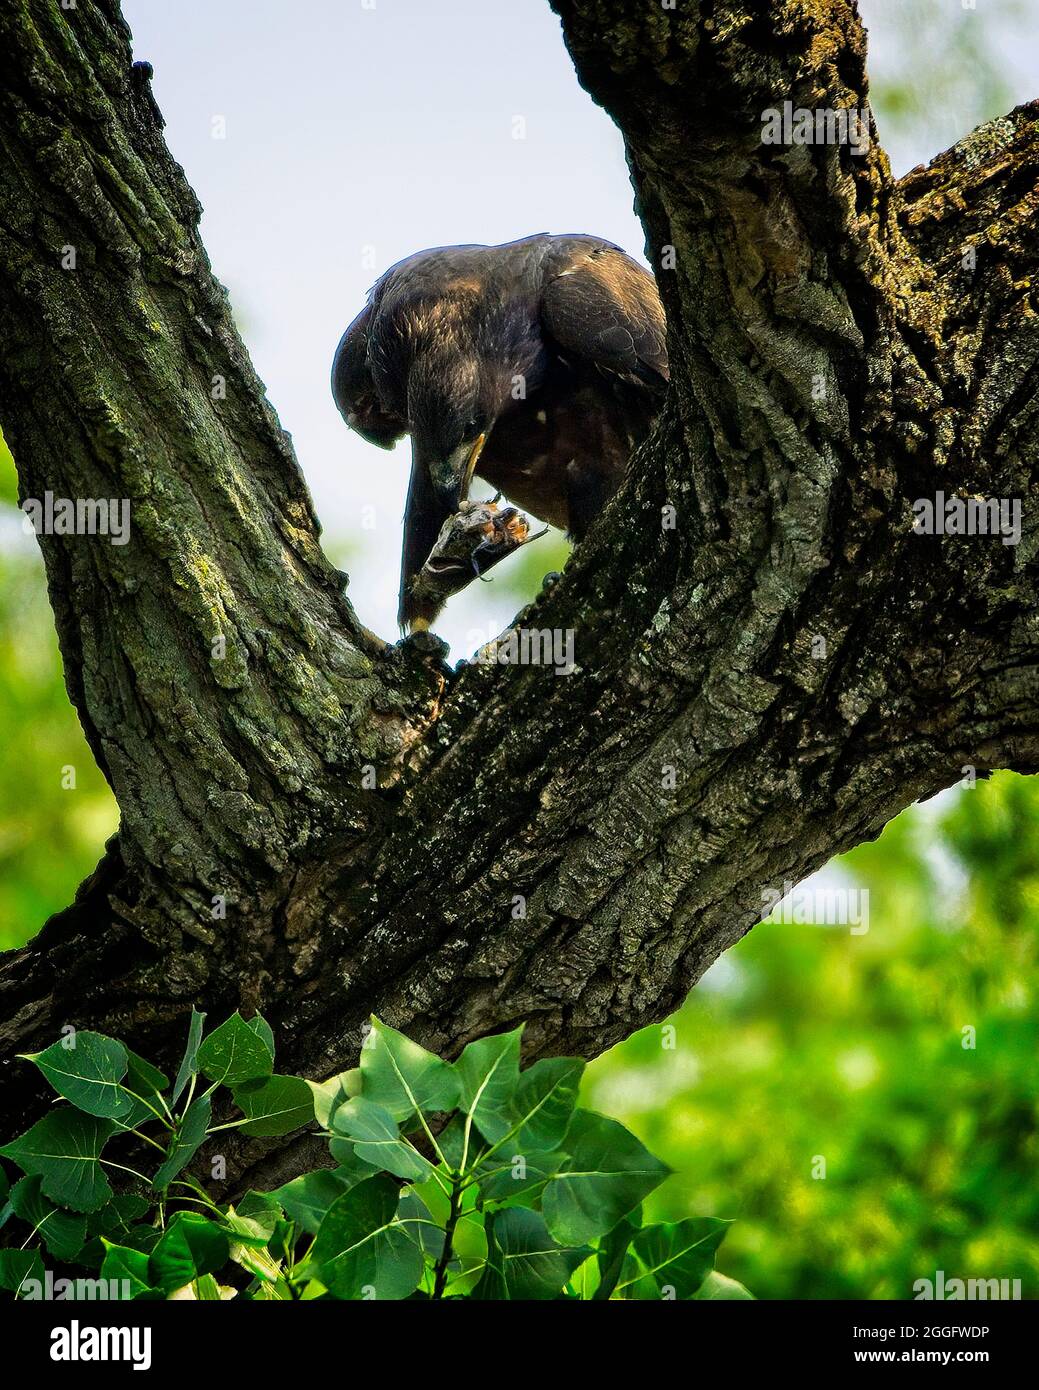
(587, 492)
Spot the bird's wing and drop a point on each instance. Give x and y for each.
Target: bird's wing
(354, 389)
(602, 306)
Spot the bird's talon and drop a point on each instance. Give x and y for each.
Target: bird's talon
(424, 640)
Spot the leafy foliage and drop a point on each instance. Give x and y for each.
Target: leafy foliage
(470, 1179)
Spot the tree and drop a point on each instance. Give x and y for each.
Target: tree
(771, 663)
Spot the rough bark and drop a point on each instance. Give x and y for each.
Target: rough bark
(833, 358)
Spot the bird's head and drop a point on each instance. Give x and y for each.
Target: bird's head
(453, 402)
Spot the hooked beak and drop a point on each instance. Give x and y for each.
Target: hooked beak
(453, 477)
(435, 493)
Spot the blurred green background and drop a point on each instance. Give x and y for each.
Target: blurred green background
(808, 1041)
(804, 1042)
(50, 837)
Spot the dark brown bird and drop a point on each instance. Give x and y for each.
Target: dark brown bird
(540, 365)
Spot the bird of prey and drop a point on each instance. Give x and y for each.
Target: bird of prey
(539, 365)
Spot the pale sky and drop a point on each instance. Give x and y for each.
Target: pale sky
(358, 131)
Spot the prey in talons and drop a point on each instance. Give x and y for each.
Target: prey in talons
(472, 541)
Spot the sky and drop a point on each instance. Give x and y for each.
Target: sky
(358, 131)
(355, 136)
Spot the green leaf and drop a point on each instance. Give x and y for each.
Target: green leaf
(307, 1199)
(114, 1220)
(88, 1074)
(488, 1075)
(375, 1136)
(236, 1052)
(145, 1082)
(544, 1104)
(720, 1286)
(142, 1078)
(452, 1144)
(536, 1120)
(674, 1256)
(609, 1172)
(207, 1290)
(117, 1215)
(342, 1151)
(613, 1249)
(361, 1247)
(143, 1238)
(417, 1220)
(329, 1095)
(277, 1106)
(261, 1264)
(254, 1231)
(64, 1148)
(186, 1141)
(261, 1206)
(469, 1247)
(63, 1232)
(404, 1078)
(189, 1063)
(18, 1265)
(263, 1031)
(517, 1178)
(190, 1245)
(348, 1164)
(142, 1084)
(123, 1264)
(522, 1259)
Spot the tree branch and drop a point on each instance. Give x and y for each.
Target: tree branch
(768, 663)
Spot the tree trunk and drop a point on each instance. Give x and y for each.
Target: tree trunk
(760, 685)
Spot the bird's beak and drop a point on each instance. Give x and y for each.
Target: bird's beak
(437, 489)
(470, 466)
(453, 476)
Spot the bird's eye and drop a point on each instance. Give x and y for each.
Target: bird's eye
(472, 428)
